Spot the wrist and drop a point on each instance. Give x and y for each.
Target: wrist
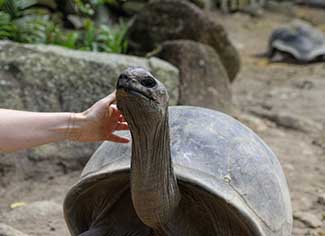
(76, 123)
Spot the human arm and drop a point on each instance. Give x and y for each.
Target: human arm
(21, 129)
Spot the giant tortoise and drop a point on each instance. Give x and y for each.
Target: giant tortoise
(189, 171)
(297, 42)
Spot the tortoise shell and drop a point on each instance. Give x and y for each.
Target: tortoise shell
(211, 152)
(299, 40)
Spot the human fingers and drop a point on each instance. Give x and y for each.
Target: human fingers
(110, 99)
(117, 112)
(113, 113)
(122, 126)
(118, 139)
(121, 118)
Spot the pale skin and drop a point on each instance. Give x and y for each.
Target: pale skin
(21, 129)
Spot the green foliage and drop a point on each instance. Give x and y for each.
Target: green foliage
(7, 29)
(92, 38)
(103, 38)
(16, 8)
(87, 7)
(84, 7)
(22, 21)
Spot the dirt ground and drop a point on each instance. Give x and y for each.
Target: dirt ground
(289, 100)
(283, 103)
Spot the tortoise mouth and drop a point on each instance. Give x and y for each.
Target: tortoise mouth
(124, 91)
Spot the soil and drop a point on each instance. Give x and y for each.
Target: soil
(283, 103)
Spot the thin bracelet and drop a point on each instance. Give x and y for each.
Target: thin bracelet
(74, 132)
(67, 132)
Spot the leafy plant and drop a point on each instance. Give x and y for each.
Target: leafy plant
(32, 29)
(68, 40)
(103, 38)
(84, 7)
(7, 29)
(19, 23)
(16, 8)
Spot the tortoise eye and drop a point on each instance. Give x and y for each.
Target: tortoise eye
(148, 82)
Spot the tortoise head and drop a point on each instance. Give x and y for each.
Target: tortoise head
(141, 97)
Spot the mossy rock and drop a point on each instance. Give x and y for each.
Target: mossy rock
(50, 78)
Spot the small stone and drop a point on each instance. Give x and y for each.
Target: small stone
(308, 219)
(321, 199)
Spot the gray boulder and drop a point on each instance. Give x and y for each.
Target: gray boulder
(53, 79)
(50, 78)
(203, 79)
(132, 7)
(166, 20)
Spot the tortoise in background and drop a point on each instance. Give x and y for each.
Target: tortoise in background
(190, 171)
(297, 42)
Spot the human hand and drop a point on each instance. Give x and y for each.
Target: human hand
(99, 122)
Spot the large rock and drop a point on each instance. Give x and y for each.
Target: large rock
(203, 79)
(53, 79)
(50, 78)
(166, 20)
(132, 7)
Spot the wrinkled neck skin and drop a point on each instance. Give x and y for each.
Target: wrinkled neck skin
(155, 193)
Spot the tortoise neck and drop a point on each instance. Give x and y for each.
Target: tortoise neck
(154, 188)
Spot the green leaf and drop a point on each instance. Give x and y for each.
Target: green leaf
(32, 29)
(24, 4)
(7, 29)
(1, 3)
(71, 40)
(84, 8)
(16, 7)
(4, 18)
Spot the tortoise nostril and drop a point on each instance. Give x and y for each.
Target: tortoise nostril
(148, 82)
(122, 81)
(123, 77)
